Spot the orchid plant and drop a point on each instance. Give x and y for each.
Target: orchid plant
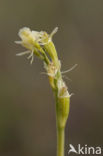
(40, 44)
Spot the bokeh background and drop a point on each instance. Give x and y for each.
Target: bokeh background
(27, 108)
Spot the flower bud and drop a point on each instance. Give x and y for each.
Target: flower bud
(50, 48)
(63, 103)
(62, 111)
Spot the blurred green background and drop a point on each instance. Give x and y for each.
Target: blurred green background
(27, 108)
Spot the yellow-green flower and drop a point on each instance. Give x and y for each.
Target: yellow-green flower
(33, 41)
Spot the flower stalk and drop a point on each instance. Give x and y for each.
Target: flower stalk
(40, 44)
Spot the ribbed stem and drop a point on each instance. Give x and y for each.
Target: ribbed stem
(60, 141)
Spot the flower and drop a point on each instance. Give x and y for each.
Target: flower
(33, 41)
(62, 89)
(51, 69)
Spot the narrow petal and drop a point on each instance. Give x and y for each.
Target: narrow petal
(30, 55)
(53, 32)
(18, 42)
(23, 53)
(32, 59)
(69, 69)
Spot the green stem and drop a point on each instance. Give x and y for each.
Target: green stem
(60, 141)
